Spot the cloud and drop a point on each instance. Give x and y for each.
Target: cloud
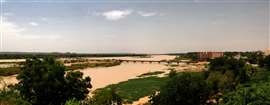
(33, 23)
(10, 27)
(115, 14)
(147, 14)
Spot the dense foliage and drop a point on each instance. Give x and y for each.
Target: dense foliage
(235, 69)
(256, 92)
(43, 82)
(184, 89)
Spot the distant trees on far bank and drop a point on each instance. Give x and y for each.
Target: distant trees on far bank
(24, 55)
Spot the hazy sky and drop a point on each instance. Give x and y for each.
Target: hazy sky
(135, 26)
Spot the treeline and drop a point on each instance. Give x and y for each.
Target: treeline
(252, 57)
(22, 55)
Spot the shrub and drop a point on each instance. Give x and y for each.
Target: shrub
(9, 96)
(256, 94)
(73, 102)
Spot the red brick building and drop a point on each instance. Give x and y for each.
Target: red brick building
(209, 55)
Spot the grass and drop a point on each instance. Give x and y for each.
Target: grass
(151, 73)
(9, 71)
(135, 89)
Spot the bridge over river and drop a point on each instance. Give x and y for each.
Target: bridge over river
(146, 61)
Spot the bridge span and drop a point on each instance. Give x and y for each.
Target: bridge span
(145, 61)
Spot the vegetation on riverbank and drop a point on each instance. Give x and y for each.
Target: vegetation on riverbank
(24, 55)
(151, 73)
(105, 63)
(135, 89)
(9, 71)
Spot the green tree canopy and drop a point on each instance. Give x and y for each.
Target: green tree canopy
(184, 89)
(43, 82)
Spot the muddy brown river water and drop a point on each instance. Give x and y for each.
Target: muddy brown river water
(104, 76)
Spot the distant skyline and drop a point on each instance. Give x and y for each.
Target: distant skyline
(134, 26)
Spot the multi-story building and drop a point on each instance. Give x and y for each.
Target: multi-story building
(209, 55)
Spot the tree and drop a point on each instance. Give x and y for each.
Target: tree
(265, 62)
(241, 71)
(184, 89)
(219, 81)
(43, 82)
(172, 73)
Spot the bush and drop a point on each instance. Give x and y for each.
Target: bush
(9, 96)
(43, 82)
(73, 102)
(184, 89)
(256, 94)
